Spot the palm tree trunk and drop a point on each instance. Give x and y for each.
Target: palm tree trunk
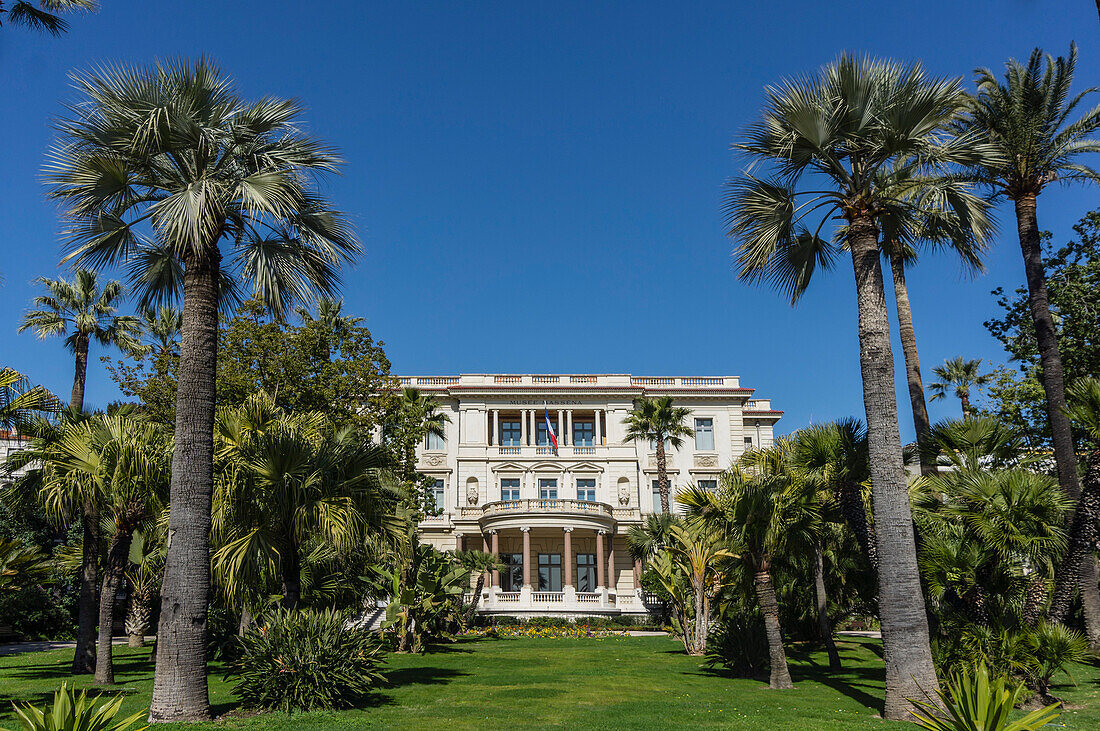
(76, 401)
(855, 515)
(137, 618)
(292, 577)
(769, 607)
(824, 626)
(697, 631)
(913, 377)
(1082, 539)
(1077, 570)
(662, 475)
(84, 660)
(476, 598)
(179, 685)
(964, 402)
(117, 557)
(910, 672)
(246, 622)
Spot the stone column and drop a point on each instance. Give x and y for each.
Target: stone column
(601, 567)
(568, 590)
(599, 427)
(496, 427)
(561, 432)
(496, 552)
(569, 426)
(526, 558)
(612, 578)
(523, 428)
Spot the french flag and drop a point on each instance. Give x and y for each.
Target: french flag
(550, 429)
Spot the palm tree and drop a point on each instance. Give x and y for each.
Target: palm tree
(330, 317)
(82, 312)
(417, 416)
(126, 461)
(19, 402)
(1027, 118)
(855, 128)
(937, 225)
(165, 324)
(1084, 411)
(83, 500)
(959, 376)
(660, 421)
(835, 454)
(45, 15)
(287, 480)
(478, 562)
(762, 514)
(158, 167)
(143, 579)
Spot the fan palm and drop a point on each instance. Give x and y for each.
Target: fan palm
(1027, 117)
(126, 461)
(417, 416)
(330, 317)
(761, 514)
(45, 15)
(659, 421)
(164, 324)
(855, 129)
(478, 562)
(143, 579)
(83, 312)
(959, 376)
(286, 480)
(20, 402)
(167, 170)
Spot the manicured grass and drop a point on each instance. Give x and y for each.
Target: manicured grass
(619, 682)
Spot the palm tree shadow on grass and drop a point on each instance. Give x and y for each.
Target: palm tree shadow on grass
(422, 676)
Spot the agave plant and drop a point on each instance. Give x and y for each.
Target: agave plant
(72, 712)
(974, 702)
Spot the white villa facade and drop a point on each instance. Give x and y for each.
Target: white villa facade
(558, 517)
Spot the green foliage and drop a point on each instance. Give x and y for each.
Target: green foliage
(20, 402)
(21, 565)
(305, 660)
(73, 712)
(974, 702)
(44, 15)
(1072, 276)
(425, 587)
(738, 641)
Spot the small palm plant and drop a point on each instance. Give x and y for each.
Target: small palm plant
(71, 711)
(959, 376)
(974, 702)
(658, 420)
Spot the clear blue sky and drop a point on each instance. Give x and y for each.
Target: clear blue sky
(537, 185)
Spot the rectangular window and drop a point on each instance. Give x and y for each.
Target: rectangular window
(748, 443)
(584, 433)
(708, 485)
(704, 435)
(542, 436)
(509, 434)
(509, 489)
(653, 445)
(549, 572)
(435, 442)
(586, 490)
(437, 495)
(657, 496)
(548, 489)
(511, 578)
(586, 572)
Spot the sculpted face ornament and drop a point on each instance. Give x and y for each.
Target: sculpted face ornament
(471, 493)
(624, 493)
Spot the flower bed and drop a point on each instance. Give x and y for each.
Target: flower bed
(551, 633)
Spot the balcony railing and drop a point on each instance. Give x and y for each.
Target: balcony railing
(547, 505)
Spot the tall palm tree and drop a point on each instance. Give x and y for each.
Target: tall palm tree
(854, 128)
(82, 312)
(933, 223)
(660, 421)
(164, 324)
(1027, 117)
(1084, 411)
(169, 171)
(417, 416)
(45, 15)
(959, 376)
(126, 460)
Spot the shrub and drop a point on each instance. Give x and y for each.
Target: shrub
(72, 711)
(305, 660)
(973, 701)
(738, 642)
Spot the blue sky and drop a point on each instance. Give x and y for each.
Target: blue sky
(537, 185)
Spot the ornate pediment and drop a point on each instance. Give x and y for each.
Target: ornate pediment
(433, 460)
(706, 460)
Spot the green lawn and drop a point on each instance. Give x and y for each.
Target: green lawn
(620, 682)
